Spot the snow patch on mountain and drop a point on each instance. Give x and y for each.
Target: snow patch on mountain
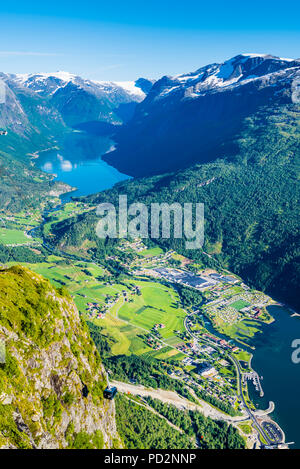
(130, 87)
(51, 82)
(60, 75)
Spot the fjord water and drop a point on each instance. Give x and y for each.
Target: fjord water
(78, 163)
(272, 359)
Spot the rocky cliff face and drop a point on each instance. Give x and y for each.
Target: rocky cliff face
(52, 381)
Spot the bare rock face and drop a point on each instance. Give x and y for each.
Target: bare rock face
(50, 359)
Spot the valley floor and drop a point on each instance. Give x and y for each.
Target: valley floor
(203, 341)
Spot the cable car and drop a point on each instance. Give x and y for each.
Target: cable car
(110, 392)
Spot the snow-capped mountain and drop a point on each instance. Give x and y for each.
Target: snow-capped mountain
(80, 100)
(49, 83)
(236, 71)
(27, 117)
(188, 118)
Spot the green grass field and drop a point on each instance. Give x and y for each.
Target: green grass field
(71, 275)
(124, 337)
(157, 304)
(127, 323)
(240, 304)
(152, 252)
(11, 236)
(243, 355)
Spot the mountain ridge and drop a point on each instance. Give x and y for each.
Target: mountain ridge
(36, 109)
(196, 117)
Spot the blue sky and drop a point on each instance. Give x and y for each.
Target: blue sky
(123, 40)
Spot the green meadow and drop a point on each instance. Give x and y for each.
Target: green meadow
(152, 252)
(127, 323)
(156, 304)
(12, 236)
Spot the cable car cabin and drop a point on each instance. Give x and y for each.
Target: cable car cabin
(110, 392)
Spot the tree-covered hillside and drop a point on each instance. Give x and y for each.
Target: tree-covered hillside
(140, 428)
(22, 186)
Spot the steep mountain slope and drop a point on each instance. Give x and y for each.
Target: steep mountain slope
(37, 110)
(197, 117)
(31, 122)
(52, 381)
(22, 186)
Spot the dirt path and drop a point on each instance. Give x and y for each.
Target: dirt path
(171, 397)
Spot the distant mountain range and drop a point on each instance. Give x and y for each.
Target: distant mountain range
(38, 108)
(196, 117)
(79, 100)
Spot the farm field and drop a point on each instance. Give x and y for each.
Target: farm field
(127, 323)
(78, 278)
(156, 305)
(124, 338)
(151, 252)
(12, 236)
(240, 304)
